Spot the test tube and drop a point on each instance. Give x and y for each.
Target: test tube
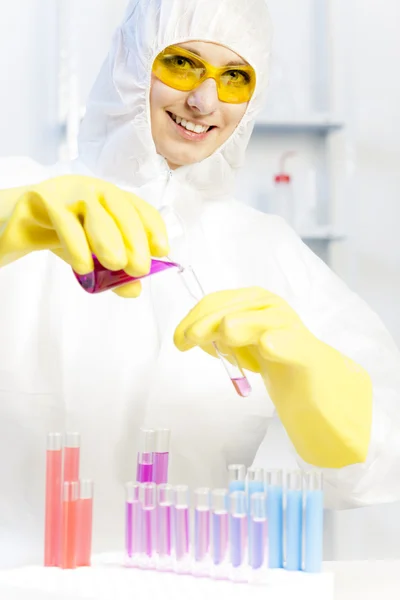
(237, 477)
(234, 371)
(314, 522)
(258, 527)
(85, 523)
(181, 528)
(148, 505)
(201, 528)
(69, 524)
(220, 526)
(255, 483)
(145, 456)
(161, 456)
(71, 456)
(293, 521)
(164, 526)
(219, 534)
(53, 501)
(274, 489)
(237, 533)
(132, 521)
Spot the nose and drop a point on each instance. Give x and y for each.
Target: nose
(204, 98)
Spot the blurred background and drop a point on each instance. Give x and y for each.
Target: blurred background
(325, 152)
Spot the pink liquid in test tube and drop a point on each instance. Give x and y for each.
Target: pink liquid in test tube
(102, 279)
(52, 535)
(242, 386)
(161, 456)
(145, 459)
(85, 524)
(133, 519)
(71, 456)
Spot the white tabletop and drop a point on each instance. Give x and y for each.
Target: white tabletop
(367, 580)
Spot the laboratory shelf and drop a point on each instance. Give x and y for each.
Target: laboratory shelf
(318, 124)
(323, 234)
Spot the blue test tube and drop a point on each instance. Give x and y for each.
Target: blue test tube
(237, 477)
(274, 489)
(293, 521)
(237, 529)
(258, 529)
(314, 522)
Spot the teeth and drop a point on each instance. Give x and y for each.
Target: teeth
(189, 125)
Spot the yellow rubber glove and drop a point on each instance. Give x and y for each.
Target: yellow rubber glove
(75, 215)
(323, 398)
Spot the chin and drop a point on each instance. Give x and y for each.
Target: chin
(184, 157)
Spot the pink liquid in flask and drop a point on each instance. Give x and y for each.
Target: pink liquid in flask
(102, 279)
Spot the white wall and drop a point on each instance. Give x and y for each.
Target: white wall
(28, 63)
(368, 89)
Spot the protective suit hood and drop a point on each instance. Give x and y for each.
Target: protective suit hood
(115, 140)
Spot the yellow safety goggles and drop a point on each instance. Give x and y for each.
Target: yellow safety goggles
(184, 71)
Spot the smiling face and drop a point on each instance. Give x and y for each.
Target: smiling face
(187, 127)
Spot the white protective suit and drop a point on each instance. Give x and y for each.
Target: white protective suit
(105, 366)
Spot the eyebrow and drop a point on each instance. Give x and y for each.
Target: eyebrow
(231, 63)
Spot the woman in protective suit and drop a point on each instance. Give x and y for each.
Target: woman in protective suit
(167, 125)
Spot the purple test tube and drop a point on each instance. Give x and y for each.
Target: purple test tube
(148, 502)
(219, 534)
(164, 520)
(145, 457)
(132, 521)
(161, 456)
(201, 531)
(181, 528)
(258, 526)
(237, 532)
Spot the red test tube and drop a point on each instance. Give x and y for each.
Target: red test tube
(71, 456)
(69, 524)
(85, 524)
(52, 531)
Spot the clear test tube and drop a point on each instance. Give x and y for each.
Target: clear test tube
(234, 371)
(132, 522)
(255, 483)
(69, 524)
(274, 490)
(201, 531)
(219, 526)
(164, 526)
(85, 523)
(293, 521)
(237, 478)
(314, 522)
(72, 445)
(145, 457)
(161, 456)
(181, 529)
(258, 528)
(53, 501)
(148, 506)
(238, 534)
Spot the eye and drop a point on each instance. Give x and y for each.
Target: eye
(237, 77)
(179, 63)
